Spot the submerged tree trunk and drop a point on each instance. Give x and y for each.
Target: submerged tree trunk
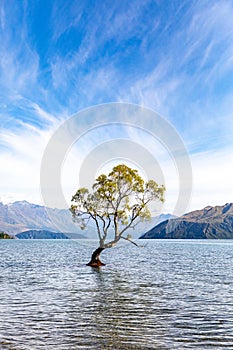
(95, 258)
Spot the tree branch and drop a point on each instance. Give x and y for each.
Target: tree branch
(97, 226)
(129, 240)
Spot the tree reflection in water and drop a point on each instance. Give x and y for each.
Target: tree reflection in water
(122, 312)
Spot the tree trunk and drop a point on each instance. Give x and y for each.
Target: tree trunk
(95, 258)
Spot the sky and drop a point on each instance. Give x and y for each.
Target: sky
(59, 58)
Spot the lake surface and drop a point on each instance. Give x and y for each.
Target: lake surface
(163, 295)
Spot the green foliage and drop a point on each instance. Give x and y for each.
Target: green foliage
(4, 235)
(116, 200)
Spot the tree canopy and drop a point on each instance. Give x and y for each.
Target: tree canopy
(117, 201)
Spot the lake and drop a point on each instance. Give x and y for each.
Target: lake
(174, 294)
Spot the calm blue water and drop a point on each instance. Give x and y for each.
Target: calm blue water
(164, 295)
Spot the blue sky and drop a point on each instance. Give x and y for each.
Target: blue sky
(60, 57)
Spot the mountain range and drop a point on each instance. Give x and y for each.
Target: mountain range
(27, 219)
(22, 216)
(209, 223)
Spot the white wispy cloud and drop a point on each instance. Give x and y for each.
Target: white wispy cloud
(21, 164)
(209, 36)
(189, 72)
(65, 17)
(19, 63)
(212, 182)
(44, 115)
(154, 89)
(21, 160)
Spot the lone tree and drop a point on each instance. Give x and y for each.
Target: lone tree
(118, 201)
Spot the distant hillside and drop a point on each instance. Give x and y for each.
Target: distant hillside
(4, 235)
(147, 224)
(208, 223)
(22, 216)
(40, 234)
(43, 234)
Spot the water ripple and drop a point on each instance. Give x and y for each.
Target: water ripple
(178, 297)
